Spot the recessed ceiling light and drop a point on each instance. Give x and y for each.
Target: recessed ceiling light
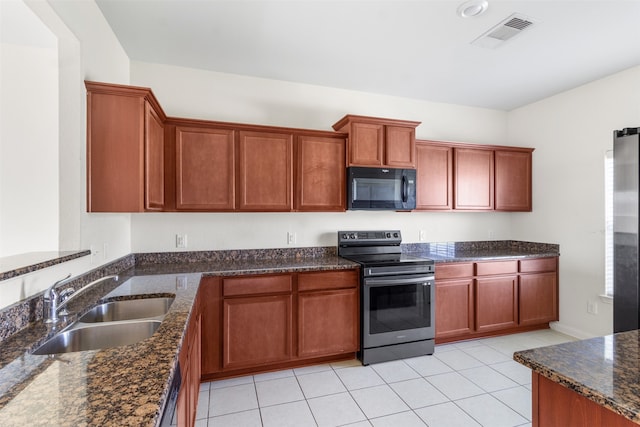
(472, 8)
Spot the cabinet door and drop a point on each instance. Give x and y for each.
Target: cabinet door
(366, 145)
(205, 169)
(115, 153)
(513, 180)
(256, 331)
(266, 174)
(473, 178)
(154, 160)
(211, 300)
(434, 177)
(538, 294)
(320, 182)
(496, 303)
(400, 147)
(454, 308)
(328, 322)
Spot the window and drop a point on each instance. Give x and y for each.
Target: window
(608, 216)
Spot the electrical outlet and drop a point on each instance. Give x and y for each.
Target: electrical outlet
(291, 238)
(491, 234)
(181, 241)
(95, 254)
(422, 235)
(181, 282)
(592, 307)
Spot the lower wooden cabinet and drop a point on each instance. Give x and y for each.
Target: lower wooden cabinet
(454, 308)
(328, 313)
(256, 331)
(496, 303)
(487, 298)
(190, 366)
(261, 322)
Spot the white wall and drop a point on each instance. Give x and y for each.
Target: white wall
(192, 93)
(28, 152)
(571, 132)
(88, 49)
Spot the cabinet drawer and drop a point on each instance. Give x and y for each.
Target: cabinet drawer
(327, 280)
(496, 267)
(256, 285)
(538, 264)
(454, 270)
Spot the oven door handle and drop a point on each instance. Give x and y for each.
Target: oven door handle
(400, 281)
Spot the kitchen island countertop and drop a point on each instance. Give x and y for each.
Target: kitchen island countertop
(605, 370)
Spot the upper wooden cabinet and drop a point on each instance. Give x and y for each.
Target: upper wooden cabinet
(513, 180)
(205, 169)
(434, 175)
(379, 142)
(125, 149)
(265, 167)
(473, 178)
(469, 177)
(320, 173)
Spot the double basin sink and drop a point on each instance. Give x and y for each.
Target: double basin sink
(110, 324)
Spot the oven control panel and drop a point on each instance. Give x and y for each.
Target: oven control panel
(378, 237)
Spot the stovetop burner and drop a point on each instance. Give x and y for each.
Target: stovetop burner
(379, 253)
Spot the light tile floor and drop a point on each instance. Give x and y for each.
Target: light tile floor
(471, 383)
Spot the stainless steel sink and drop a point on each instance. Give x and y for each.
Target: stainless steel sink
(98, 336)
(128, 310)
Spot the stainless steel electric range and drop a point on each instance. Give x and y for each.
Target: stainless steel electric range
(397, 318)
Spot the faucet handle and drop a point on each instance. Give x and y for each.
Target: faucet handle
(65, 295)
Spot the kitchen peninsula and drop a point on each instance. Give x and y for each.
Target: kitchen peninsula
(592, 382)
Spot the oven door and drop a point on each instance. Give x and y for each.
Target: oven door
(397, 309)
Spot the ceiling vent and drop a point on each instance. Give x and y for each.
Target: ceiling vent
(505, 30)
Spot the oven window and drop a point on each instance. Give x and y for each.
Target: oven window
(399, 308)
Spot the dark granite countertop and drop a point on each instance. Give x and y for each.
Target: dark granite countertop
(605, 369)
(481, 250)
(17, 265)
(125, 385)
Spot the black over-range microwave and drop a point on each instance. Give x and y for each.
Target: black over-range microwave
(381, 189)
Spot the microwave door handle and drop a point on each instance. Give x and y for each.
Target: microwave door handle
(404, 189)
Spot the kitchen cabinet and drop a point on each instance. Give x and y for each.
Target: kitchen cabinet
(473, 178)
(205, 169)
(513, 180)
(496, 295)
(328, 307)
(475, 299)
(265, 171)
(434, 175)
(257, 321)
(320, 173)
(125, 149)
(261, 322)
(455, 306)
(466, 177)
(379, 142)
(538, 289)
(211, 297)
(189, 360)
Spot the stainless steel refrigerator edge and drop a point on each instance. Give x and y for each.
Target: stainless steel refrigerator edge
(626, 284)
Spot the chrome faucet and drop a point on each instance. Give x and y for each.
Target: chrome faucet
(58, 301)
